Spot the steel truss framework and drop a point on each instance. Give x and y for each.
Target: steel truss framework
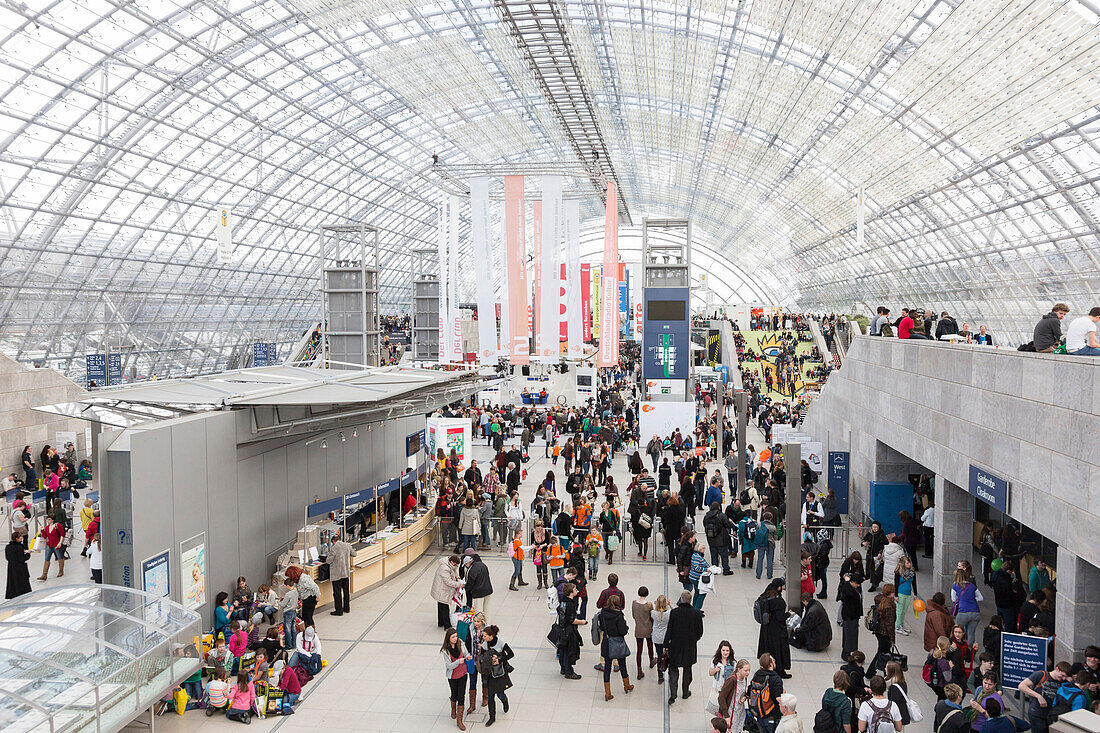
(972, 125)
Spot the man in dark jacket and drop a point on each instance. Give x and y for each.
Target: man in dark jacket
(478, 585)
(946, 327)
(717, 527)
(1008, 594)
(874, 542)
(814, 633)
(1048, 331)
(685, 628)
(851, 611)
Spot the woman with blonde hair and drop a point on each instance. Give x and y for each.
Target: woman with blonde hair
(731, 698)
(939, 667)
(659, 614)
(897, 691)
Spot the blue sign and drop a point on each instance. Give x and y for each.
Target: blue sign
(839, 478)
(263, 354)
(319, 508)
(666, 346)
(359, 497)
(408, 478)
(624, 303)
(95, 366)
(114, 369)
(155, 576)
(993, 490)
(1021, 656)
(389, 486)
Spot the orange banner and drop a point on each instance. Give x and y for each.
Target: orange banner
(516, 265)
(609, 327)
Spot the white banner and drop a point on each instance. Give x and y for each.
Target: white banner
(662, 418)
(860, 216)
(609, 289)
(572, 236)
(444, 318)
(483, 253)
(454, 330)
(225, 236)
(549, 333)
(502, 288)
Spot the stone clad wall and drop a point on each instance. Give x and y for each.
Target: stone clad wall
(20, 390)
(1030, 418)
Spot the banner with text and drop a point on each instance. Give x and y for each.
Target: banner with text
(444, 317)
(574, 313)
(516, 256)
(454, 325)
(586, 303)
(536, 278)
(483, 252)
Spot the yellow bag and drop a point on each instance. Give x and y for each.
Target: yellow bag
(181, 697)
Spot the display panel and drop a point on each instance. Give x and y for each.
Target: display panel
(666, 310)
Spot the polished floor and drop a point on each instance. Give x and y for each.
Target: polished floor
(385, 673)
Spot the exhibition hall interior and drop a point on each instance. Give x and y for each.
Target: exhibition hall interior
(598, 366)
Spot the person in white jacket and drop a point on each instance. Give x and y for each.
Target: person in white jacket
(891, 554)
(307, 651)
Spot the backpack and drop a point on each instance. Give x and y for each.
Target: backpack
(879, 716)
(1029, 346)
(711, 527)
(1063, 703)
(745, 498)
(824, 722)
(761, 704)
(593, 548)
(931, 672)
(750, 530)
(758, 613)
(870, 621)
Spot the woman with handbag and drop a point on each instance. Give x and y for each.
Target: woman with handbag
(613, 647)
(722, 667)
(734, 694)
(455, 657)
(641, 521)
(659, 616)
(884, 633)
(898, 693)
(609, 528)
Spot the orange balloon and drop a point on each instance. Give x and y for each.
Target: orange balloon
(918, 606)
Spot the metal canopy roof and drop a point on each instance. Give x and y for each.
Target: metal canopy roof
(326, 392)
(972, 125)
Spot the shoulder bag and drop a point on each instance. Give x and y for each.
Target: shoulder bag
(916, 715)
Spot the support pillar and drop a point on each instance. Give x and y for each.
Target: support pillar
(1076, 608)
(741, 405)
(954, 533)
(792, 538)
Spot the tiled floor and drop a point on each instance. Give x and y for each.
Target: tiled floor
(384, 671)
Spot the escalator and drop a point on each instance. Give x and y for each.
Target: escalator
(307, 351)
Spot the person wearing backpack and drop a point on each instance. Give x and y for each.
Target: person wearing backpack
(717, 527)
(1042, 687)
(835, 715)
(949, 715)
(770, 611)
(879, 714)
(746, 538)
(764, 692)
(880, 620)
(1071, 696)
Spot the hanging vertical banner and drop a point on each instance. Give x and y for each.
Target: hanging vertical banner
(483, 253)
(586, 303)
(549, 326)
(516, 255)
(444, 317)
(860, 216)
(454, 325)
(501, 266)
(225, 236)
(536, 278)
(563, 309)
(622, 321)
(574, 313)
(597, 282)
(609, 328)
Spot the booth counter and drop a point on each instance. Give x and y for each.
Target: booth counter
(387, 554)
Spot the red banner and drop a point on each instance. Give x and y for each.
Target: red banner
(586, 302)
(536, 300)
(516, 262)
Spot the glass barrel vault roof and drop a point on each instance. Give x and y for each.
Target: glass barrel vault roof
(972, 125)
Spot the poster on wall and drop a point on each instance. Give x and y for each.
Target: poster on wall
(155, 576)
(88, 442)
(447, 433)
(663, 418)
(64, 437)
(193, 572)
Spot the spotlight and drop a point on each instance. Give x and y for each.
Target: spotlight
(355, 432)
(342, 438)
(324, 443)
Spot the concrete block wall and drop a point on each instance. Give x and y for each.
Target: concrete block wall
(22, 388)
(1030, 418)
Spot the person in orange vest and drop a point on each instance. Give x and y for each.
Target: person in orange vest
(556, 555)
(582, 519)
(515, 551)
(593, 543)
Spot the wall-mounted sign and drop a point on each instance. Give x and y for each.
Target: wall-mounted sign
(155, 576)
(193, 572)
(839, 478)
(991, 489)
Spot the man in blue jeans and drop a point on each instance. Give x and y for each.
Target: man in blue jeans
(289, 606)
(765, 545)
(1081, 337)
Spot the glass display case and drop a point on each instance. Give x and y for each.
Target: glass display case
(90, 658)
